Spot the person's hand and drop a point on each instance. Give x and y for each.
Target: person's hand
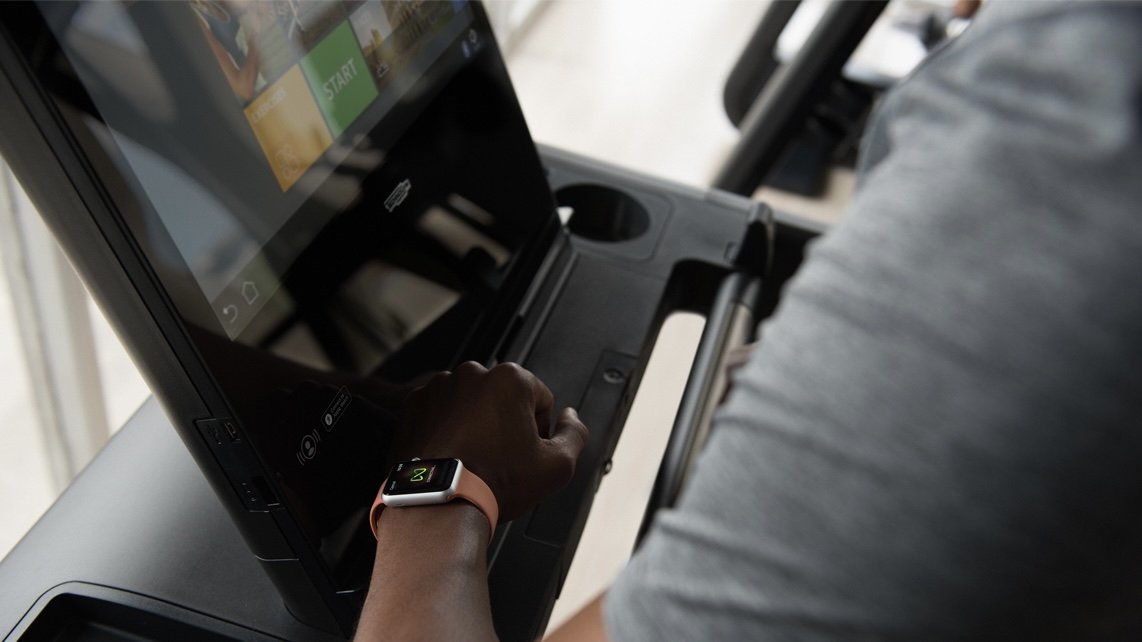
(966, 8)
(735, 360)
(497, 422)
(737, 357)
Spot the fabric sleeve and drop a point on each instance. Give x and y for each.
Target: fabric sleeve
(939, 436)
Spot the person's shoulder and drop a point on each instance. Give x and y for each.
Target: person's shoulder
(1006, 14)
(1002, 12)
(1050, 30)
(1070, 67)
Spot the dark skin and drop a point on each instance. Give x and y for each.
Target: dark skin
(966, 8)
(430, 575)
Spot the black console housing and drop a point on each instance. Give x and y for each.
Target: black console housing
(139, 545)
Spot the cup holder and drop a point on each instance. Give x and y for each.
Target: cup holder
(603, 213)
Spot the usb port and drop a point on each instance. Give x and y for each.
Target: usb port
(219, 431)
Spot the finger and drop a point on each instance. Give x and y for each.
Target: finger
(966, 8)
(543, 402)
(436, 380)
(469, 368)
(739, 356)
(565, 446)
(570, 433)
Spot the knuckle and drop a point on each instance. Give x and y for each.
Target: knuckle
(470, 367)
(512, 372)
(509, 368)
(436, 380)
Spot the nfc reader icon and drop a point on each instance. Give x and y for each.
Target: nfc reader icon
(397, 196)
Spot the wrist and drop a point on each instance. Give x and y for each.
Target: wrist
(457, 520)
(430, 482)
(430, 560)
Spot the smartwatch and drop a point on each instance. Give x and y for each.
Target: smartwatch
(425, 482)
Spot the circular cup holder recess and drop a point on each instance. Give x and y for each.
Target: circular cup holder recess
(603, 213)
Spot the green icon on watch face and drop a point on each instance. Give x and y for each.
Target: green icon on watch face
(422, 476)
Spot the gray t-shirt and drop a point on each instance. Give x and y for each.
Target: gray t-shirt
(940, 436)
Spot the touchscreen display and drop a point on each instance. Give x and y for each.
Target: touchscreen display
(304, 72)
(299, 75)
(336, 196)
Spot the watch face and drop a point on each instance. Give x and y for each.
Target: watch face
(421, 476)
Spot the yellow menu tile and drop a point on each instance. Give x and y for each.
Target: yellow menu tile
(289, 127)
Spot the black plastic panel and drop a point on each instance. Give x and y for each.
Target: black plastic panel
(153, 528)
(77, 612)
(141, 520)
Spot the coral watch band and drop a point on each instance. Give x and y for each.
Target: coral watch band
(470, 488)
(473, 490)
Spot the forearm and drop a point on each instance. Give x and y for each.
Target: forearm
(430, 576)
